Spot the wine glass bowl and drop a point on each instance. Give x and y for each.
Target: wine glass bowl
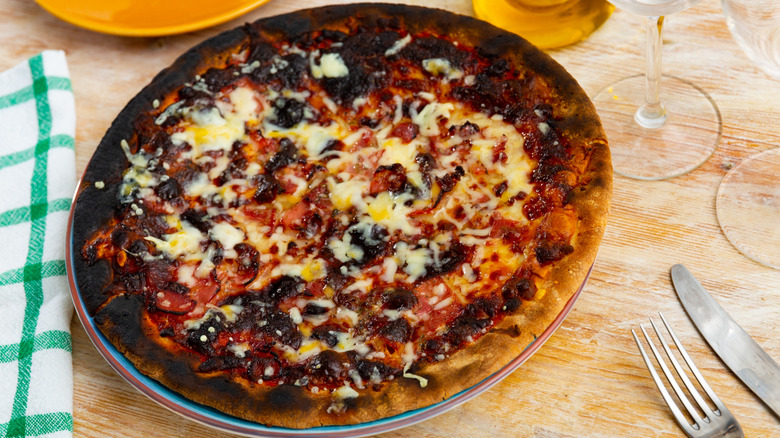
(653, 134)
(748, 200)
(755, 26)
(748, 207)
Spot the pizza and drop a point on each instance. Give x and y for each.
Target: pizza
(341, 214)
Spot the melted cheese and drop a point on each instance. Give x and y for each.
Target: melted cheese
(442, 67)
(331, 66)
(183, 244)
(211, 133)
(227, 235)
(427, 119)
(346, 194)
(414, 261)
(398, 45)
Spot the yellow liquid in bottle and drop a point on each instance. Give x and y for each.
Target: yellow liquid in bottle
(546, 23)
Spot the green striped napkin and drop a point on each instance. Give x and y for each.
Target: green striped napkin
(37, 179)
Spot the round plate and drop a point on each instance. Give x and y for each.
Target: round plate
(147, 18)
(228, 423)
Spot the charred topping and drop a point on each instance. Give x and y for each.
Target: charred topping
(267, 324)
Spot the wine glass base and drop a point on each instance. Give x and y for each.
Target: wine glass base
(748, 207)
(685, 141)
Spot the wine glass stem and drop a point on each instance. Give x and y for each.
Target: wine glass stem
(653, 114)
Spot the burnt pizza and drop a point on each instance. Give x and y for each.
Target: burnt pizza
(341, 214)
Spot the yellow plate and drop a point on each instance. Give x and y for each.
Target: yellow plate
(147, 17)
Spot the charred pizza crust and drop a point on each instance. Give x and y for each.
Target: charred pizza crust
(122, 319)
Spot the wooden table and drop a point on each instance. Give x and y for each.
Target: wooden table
(588, 380)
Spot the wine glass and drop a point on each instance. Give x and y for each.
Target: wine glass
(748, 200)
(652, 137)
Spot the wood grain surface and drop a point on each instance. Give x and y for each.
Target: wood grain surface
(588, 379)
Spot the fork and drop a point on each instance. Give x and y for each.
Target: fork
(715, 423)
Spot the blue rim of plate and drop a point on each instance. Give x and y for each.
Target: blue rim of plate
(228, 423)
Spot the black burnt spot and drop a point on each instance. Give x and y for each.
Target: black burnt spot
(465, 130)
(494, 96)
(511, 305)
(388, 23)
(347, 300)
(285, 72)
(282, 288)
(475, 317)
(264, 368)
(260, 52)
(191, 94)
(398, 330)
(546, 171)
(425, 161)
(363, 55)
(448, 181)
(500, 188)
(370, 370)
(286, 155)
(464, 330)
(371, 241)
(154, 226)
(555, 175)
(498, 69)
(197, 219)
(218, 78)
(186, 172)
(280, 327)
(327, 334)
(220, 363)
(314, 309)
(267, 187)
(247, 262)
(236, 167)
(202, 339)
(369, 44)
(149, 133)
(545, 146)
(346, 89)
(431, 47)
(336, 280)
(434, 347)
(483, 308)
(330, 367)
(550, 252)
(168, 189)
(288, 398)
(333, 36)
(399, 299)
(449, 260)
(524, 289)
(369, 122)
(134, 282)
(287, 112)
(138, 248)
(120, 236)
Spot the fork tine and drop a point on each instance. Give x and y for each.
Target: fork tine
(703, 383)
(678, 415)
(680, 394)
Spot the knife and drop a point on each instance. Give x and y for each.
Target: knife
(735, 347)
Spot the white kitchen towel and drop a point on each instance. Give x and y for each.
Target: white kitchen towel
(37, 179)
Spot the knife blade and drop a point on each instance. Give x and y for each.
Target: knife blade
(735, 347)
